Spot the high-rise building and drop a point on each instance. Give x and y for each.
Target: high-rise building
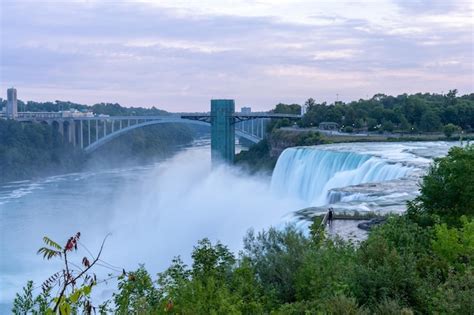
(12, 104)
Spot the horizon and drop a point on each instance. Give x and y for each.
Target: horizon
(177, 56)
(239, 107)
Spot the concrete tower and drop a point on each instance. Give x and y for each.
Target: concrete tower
(222, 130)
(12, 105)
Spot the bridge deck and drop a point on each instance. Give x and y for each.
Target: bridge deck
(57, 116)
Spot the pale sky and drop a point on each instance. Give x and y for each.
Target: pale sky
(177, 55)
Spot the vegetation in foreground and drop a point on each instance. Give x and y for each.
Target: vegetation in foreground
(418, 263)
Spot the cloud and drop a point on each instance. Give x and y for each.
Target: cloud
(178, 55)
(336, 54)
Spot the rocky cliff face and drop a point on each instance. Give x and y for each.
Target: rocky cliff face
(264, 155)
(279, 140)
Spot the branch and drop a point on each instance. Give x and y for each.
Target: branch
(68, 282)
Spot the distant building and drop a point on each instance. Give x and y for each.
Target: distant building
(328, 125)
(12, 104)
(74, 113)
(246, 110)
(303, 110)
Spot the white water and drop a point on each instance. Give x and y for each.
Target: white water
(377, 177)
(310, 173)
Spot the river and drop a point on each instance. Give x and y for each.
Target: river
(155, 212)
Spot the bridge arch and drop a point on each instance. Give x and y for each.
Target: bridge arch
(102, 141)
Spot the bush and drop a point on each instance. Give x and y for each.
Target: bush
(448, 188)
(348, 129)
(450, 129)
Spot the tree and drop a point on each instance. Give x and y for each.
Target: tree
(449, 130)
(137, 293)
(388, 126)
(309, 104)
(348, 129)
(294, 109)
(430, 121)
(447, 190)
(451, 96)
(372, 124)
(276, 256)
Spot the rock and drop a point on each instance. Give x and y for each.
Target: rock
(368, 225)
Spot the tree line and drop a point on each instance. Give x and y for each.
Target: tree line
(403, 113)
(112, 109)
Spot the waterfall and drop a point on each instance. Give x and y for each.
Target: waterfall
(309, 173)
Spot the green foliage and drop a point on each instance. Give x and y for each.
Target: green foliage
(422, 112)
(276, 257)
(388, 126)
(385, 272)
(348, 129)
(308, 138)
(341, 304)
(101, 108)
(257, 157)
(456, 246)
(450, 129)
(28, 150)
(25, 303)
(326, 270)
(391, 307)
(430, 121)
(73, 283)
(54, 249)
(137, 293)
(211, 261)
(293, 109)
(454, 296)
(448, 189)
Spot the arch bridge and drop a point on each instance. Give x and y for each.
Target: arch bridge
(90, 133)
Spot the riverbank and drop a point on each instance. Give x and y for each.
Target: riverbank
(29, 151)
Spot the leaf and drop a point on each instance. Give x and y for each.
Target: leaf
(87, 290)
(46, 285)
(85, 262)
(51, 243)
(75, 296)
(49, 253)
(65, 308)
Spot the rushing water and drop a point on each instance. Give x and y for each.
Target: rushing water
(158, 211)
(361, 177)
